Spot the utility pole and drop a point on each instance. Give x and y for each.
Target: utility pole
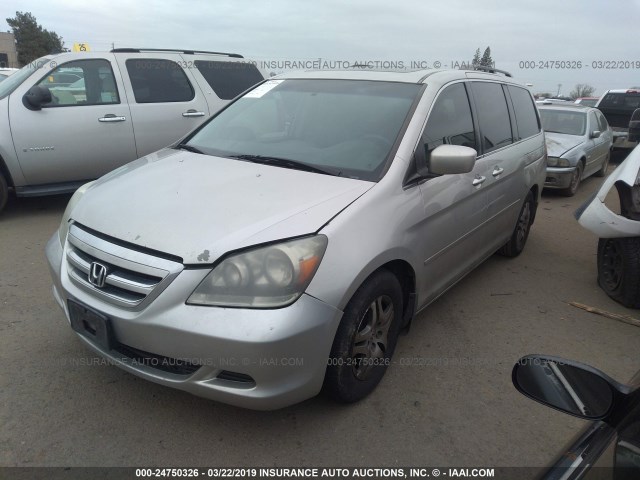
(559, 87)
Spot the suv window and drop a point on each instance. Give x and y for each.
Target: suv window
(229, 79)
(622, 101)
(450, 121)
(493, 115)
(525, 111)
(158, 81)
(82, 82)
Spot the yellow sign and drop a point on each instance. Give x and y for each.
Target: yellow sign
(81, 47)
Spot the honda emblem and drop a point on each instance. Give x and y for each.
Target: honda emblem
(97, 274)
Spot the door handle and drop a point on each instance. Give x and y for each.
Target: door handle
(497, 171)
(192, 113)
(478, 181)
(111, 118)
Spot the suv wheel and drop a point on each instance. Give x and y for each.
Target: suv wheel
(4, 192)
(518, 239)
(619, 269)
(571, 190)
(603, 170)
(366, 339)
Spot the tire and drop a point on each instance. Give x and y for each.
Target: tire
(571, 190)
(603, 170)
(518, 240)
(619, 269)
(4, 192)
(361, 353)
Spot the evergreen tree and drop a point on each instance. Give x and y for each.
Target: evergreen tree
(486, 60)
(33, 41)
(476, 58)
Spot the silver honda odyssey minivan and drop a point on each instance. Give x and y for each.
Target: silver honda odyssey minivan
(280, 248)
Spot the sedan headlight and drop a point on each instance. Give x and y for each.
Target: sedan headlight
(266, 277)
(64, 224)
(557, 162)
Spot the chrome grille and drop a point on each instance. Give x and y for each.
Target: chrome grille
(132, 278)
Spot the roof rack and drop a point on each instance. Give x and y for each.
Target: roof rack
(187, 52)
(483, 68)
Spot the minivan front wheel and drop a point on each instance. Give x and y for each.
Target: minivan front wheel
(366, 338)
(619, 269)
(520, 234)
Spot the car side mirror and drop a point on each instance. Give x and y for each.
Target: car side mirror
(570, 387)
(634, 126)
(452, 159)
(36, 96)
(595, 134)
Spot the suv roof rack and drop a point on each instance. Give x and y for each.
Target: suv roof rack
(483, 68)
(187, 52)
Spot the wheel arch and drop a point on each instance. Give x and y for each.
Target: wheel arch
(535, 191)
(4, 170)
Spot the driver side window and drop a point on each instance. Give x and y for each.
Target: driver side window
(81, 82)
(450, 121)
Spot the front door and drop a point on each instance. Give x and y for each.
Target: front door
(83, 133)
(453, 231)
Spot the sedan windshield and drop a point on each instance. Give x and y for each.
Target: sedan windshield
(339, 127)
(560, 121)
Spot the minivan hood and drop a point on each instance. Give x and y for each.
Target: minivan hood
(199, 207)
(560, 143)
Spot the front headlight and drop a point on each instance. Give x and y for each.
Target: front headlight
(64, 224)
(557, 162)
(266, 277)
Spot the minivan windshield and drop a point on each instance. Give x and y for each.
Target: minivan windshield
(561, 121)
(9, 84)
(340, 127)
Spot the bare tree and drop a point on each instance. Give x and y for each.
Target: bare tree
(582, 90)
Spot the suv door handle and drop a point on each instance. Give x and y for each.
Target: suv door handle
(111, 118)
(478, 181)
(497, 171)
(192, 113)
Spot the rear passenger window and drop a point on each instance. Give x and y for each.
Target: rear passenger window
(450, 121)
(493, 115)
(602, 122)
(158, 81)
(526, 115)
(229, 79)
(593, 122)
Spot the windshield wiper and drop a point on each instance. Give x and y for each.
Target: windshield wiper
(284, 162)
(189, 148)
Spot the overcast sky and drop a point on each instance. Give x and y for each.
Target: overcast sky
(370, 30)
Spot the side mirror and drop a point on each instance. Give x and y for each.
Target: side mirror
(36, 96)
(451, 159)
(634, 126)
(567, 386)
(595, 134)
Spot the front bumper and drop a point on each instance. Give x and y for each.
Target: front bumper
(558, 177)
(258, 359)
